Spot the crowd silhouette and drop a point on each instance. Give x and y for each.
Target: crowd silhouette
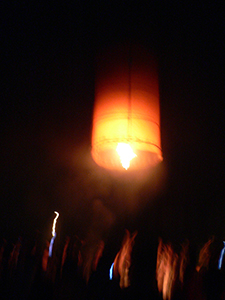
(81, 269)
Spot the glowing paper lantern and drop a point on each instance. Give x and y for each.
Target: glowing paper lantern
(126, 110)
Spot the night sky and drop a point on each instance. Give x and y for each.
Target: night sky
(48, 73)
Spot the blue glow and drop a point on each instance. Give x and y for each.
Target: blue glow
(221, 257)
(51, 245)
(111, 272)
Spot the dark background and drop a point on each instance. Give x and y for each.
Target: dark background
(47, 80)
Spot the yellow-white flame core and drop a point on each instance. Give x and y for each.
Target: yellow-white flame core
(125, 153)
(54, 223)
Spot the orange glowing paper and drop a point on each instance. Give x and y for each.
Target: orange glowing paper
(126, 109)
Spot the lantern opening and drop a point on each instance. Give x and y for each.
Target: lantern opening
(126, 154)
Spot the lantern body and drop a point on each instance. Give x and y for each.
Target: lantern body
(126, 108)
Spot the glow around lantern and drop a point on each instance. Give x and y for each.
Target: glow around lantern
(126, 154)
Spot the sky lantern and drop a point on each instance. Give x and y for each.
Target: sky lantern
(126, 116)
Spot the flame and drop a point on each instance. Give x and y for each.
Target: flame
(221, 257)
(54, 223)
(111, 271)
(53, 233)
(126, 154)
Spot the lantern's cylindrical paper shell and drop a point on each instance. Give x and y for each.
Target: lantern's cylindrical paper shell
(126, 108)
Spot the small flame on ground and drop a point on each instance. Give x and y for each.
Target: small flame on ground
(111, 272)
(54, 223)
(221, 257)
(53, 233)
(126, 154)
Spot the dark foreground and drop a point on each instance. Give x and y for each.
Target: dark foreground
(76, 271)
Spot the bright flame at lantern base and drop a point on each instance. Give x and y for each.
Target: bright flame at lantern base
(126, 154)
